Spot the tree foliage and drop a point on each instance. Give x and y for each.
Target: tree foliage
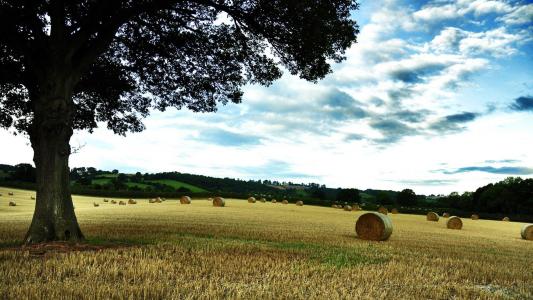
(123, 58)
(406, 197)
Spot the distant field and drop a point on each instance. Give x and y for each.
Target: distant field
(262, 250)
(172, 183)
(365, 196)
(101, 181)
(177, 184)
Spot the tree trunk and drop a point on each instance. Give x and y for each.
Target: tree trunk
(50, 132)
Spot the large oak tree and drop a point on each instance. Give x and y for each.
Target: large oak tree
(70, 65)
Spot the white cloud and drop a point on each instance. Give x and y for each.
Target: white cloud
(496, 42)
(520, 15)
(437, 12)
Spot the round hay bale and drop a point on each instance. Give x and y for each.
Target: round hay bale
(299, 203)
(373, 226)
(506, 219)
(96, 204)
(12, 203)
(432, 216)
(219, 202)
(445, 215)
(122, 203)
(106, 200)
(10, 194)
(251, 200)
(263, 200)
(113, 202)
(347, 208)
(274, 201)
(285, 202)
(334, 205)
(527, 232)
(454, 223)
(131, 201)
(185, 200)
(394, 211)
(383, 210)
(474, 217)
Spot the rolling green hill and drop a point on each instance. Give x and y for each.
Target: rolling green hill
(178, 184)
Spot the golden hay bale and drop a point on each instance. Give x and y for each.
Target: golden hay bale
(300, 203)
(285, 202)
(251, 200)
(373, 226)
(506, 219)
(96, 204)
(527, 232)
(12, 203)
(274, 201)
(454, 223)
(122, 203)
(185, 200)
(219, 202)
(151, 200)
(347, 208)
(383, 210)
(263, 200)
(394, 211)
(334, 205)
(445, 215)
(474, 217)
(432, 216)
(113, 202)
(356, 207)
(10, 194)
(131, 201)
(106, 200)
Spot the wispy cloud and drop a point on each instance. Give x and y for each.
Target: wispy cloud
(524, 103)
(426, 182)
(276, 170)
(453, 123)
(494, 170)
(223, 137)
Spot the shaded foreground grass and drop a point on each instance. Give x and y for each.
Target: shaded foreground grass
(262, 250)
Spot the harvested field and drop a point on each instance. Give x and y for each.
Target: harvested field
(146, 251)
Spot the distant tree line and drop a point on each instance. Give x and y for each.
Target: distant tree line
(513, 195)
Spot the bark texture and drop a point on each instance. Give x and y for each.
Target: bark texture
(50, 132)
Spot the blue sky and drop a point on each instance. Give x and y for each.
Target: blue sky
(436, 96)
